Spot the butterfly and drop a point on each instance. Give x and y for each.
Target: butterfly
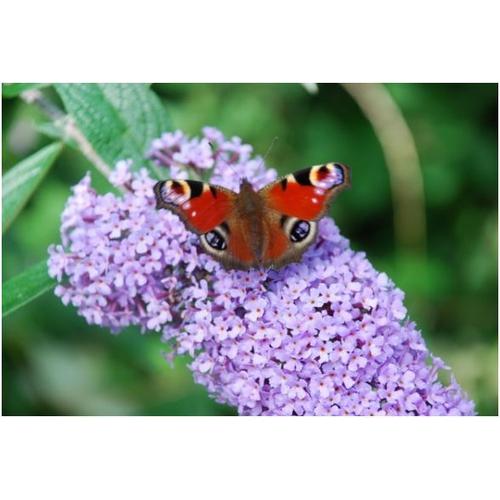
(267, 228)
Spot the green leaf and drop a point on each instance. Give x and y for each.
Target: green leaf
(119, 120)
(53, 131)
(25, 287)
(20, 181)
(14, 89)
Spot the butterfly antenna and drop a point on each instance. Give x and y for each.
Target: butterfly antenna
(263, 159)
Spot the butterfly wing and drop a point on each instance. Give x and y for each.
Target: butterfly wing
(307, 193)
(208, 211)
(294, 204)
(201, 206)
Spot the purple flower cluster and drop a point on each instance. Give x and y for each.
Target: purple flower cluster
(230, 161)
(326, 336)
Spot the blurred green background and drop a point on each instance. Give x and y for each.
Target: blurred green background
(55, 364)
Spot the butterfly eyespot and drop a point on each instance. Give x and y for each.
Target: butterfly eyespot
(300, 230)
(215, 240)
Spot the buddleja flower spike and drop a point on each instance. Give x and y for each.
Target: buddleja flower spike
(328, 335)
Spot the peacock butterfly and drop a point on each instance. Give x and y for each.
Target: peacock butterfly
(266, 228)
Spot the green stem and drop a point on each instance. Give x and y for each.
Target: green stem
(67, 125)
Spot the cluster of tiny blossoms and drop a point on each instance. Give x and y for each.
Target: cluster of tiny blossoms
(326, 336)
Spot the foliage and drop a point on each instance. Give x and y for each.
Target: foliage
(119, 120)
(15, 89)
(51, 367)
(21, 180)
(25, 287)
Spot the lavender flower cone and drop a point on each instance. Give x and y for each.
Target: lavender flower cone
(326, 336)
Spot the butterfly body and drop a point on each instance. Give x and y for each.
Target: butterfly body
(266, 228)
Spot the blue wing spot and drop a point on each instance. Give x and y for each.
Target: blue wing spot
(340, 174)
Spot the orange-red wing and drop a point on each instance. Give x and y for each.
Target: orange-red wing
(239, 248)
(277, 244)
(201, 206)
(297, 201)
(306, 193)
